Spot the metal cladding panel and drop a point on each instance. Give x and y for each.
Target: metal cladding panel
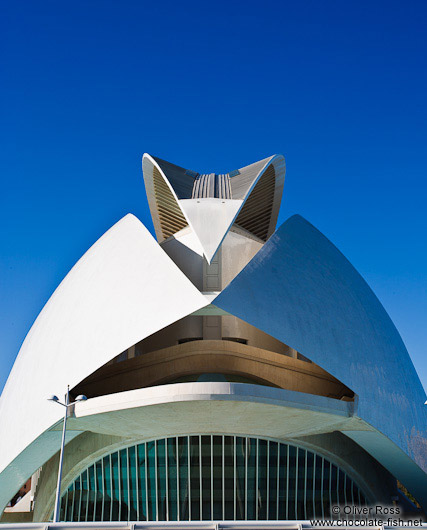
(123, 289)
(180, 180)
(301, 290)
(246, 178)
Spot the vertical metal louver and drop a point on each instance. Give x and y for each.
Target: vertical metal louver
(255, 216)
(210, 186)
(170, 215)
(209, 477)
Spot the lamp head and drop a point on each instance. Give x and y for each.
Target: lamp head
(81, 397)
(53, 398)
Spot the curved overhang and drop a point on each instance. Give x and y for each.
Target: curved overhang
(301, 290)
(122, 290)
(238, 408)
(256, 193)
(228, 358)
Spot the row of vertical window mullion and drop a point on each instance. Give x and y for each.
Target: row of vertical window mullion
(189, 478)
(95, 493)
(177, 481)
(256, 479)
(305, 485)
(287, 482)
(80, 496)
(314, 485)
(296, 482)
(235, 478)
(338, 484)
(212, 480)
(72, 504)
(223, 477)
(246, 479)
(330, 489)
(278, 482)
(321, 487)
(345, 489)
(111, 488)
(146, 482)
(352, 495)
(137, 481)
(119, 469)
(156, 477)
(103, 489)
(268, 480)
(66, 507)
(200, 478)
(87, 494)
(128, 475)
(90, 487)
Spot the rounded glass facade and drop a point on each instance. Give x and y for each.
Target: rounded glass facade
(208, 477)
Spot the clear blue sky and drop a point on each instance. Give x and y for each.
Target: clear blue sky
(339, 88)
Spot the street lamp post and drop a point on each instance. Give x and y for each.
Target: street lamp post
(67, 404)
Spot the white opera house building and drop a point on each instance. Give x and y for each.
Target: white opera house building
(233, 371)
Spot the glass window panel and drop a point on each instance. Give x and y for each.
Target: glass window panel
(333, 484)
(317, 481)
(124, 490)
(76, 498)
(63, 508)
(292, 482)
(142, 491)
(262, 480)
(91, 494)
(308, 479)
(133, 486)
(151, 479)
(183, 478)
(217, 477)
(251, 480)
(108, 484)
(161, 479)
(195, 478)
(99, 491)
(302, 454)
(283, 480)
(229, 477)
(340, 486)
(272, 481)
(83, 495)
(172, 485)
(116, 487)
(206, 477)
(240, 479)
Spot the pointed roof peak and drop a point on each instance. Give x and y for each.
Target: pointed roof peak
(211, 203)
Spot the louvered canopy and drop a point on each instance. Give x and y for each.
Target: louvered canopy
(211, 204)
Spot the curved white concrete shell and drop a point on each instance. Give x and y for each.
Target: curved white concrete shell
(220, 328)
(300, 289)
(123, 289)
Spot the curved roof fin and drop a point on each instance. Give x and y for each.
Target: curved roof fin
(210, 203)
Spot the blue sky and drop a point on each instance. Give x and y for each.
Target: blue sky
(338, 87)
